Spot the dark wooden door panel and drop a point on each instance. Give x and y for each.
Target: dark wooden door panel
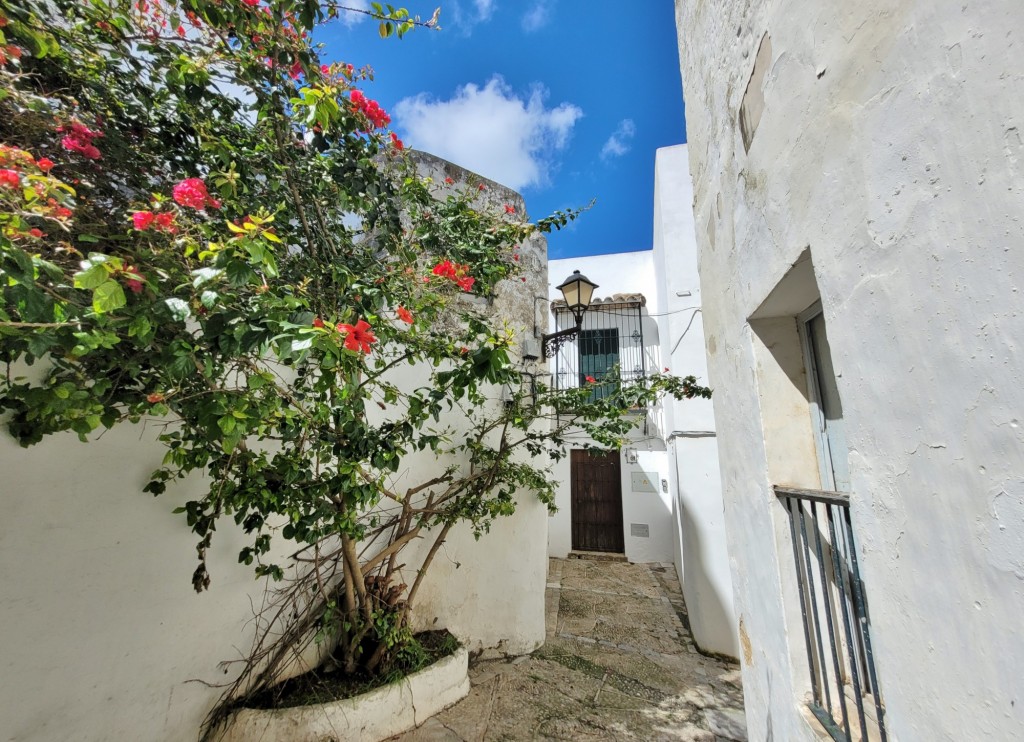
(596, 501)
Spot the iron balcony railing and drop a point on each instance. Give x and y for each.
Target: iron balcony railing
(610, 347)
(846, 699)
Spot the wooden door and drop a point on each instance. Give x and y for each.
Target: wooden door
(596, 501)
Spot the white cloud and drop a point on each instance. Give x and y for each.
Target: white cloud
(350, 18)
(464, 18)
(536, 17)
(491, 130)
(484, 8)
(618, 143)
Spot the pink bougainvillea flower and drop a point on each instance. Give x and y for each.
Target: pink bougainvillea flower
(133, 279)
(251, 3)
(319, 323)
(78, 138)
(370, 108)
(510, 209)
(165, 222)
(143, 220)
(358, 337)
(45, 164)
(590, 379)
(10, 178)
(155, 397)
(397, 142)
(404, 314)
(325, 69)
(192, 192)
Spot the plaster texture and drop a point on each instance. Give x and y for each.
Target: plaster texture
(377, 715)
(104, 638)
(701, 552)
(884, 160)
(623, 273)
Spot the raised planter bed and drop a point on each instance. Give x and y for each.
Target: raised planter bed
(370, 717)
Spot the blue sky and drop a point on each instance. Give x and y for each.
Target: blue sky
(565, 101)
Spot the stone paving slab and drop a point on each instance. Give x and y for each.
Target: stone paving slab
(619, 663)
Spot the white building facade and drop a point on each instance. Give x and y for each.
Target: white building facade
(859, 211)
(617, 333)
(667, 473)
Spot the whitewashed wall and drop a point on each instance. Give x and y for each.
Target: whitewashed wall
(701, 553)
(102, 635)
(887, 137)
(623, 273)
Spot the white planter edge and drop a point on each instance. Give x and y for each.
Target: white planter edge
(369, 717)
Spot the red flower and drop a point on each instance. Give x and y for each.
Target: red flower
(370, 108)
(143, 220)
(165, 222)
(359, 337)
(62, 212)
(325, 69)
(466, 283)
(463, 350)
(590, 379)
(155, 397)
(404, 314)
(192, 192)
(449, 181)
(666, 369)
(445, 269)
(515, 257)
(45, 164)
(318, 322)
(510, 209)
(79, 139)
(37, 233)
(133, 279)
(10, 178)
(251, 3)
(397, 142)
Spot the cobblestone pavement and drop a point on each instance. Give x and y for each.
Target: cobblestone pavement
(619, 663)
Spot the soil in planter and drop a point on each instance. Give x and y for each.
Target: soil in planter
(318, 686)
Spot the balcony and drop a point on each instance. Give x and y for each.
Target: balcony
(844, 688)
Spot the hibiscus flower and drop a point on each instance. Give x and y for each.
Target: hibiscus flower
(358, 337)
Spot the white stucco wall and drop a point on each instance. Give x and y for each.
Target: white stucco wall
(623, 273)
(889, 143)
(701, 553)
(102, 634)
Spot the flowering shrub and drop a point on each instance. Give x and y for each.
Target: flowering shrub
(168, 249)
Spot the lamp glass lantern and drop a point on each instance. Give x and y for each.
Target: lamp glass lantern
(578, 291)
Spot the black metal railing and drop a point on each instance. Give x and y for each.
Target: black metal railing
(610, 346)
(846, 699)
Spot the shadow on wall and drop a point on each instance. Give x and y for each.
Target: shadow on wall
(712, 618)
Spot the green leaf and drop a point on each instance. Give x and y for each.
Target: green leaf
(92, 277)
(108, 297)
(179, 309)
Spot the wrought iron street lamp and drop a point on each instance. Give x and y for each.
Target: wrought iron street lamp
(578, 291)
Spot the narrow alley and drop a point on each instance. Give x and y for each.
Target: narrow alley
(619, 663)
